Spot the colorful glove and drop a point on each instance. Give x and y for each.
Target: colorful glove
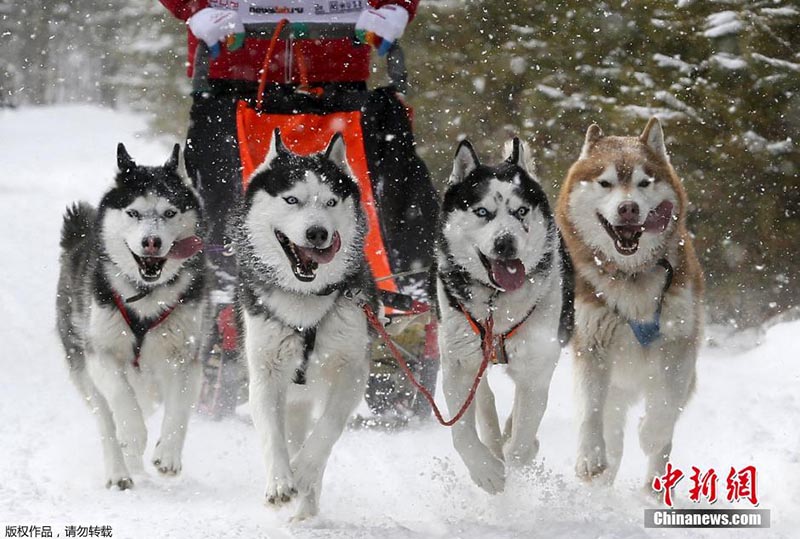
(381, 27)
(214, 26)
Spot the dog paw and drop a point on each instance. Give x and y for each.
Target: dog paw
(280, 490)
(649, 493)
(521, 455)
(120, 483)
(591, 462)
(166, 459)
(306, 510)
(306, 473)
(132, 440)
(488, 472)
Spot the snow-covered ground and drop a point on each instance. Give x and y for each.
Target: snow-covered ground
(407, 484)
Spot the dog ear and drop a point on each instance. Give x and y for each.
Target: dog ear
(184, 171)
(465, 162)
(593, 134)
(518, 153)
(653, 138)
(276, 148)
(124, 161)
(172, 162)
(337, 153)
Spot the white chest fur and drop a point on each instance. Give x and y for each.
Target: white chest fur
(298, 310)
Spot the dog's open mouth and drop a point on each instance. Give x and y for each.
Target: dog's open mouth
(306, 260)
(506, 275)
(626, 237)
(149, 266)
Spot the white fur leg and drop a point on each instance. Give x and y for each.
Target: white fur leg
(665, 396)
(298, 426)
(117, 474)
(488, 423)
(592, 378)
(486, 470)
(271, 350)
(308, 466)
(530, 403)
(522, 445)
(308, 506)
(181, 389)
(616, 412)
(268, 402)
(110, 380)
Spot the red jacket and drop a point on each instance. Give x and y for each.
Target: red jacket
(328, 60)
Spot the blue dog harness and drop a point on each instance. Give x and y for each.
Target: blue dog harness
(648, 332)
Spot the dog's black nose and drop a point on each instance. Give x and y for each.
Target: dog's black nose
(317, 236)
(629, 212)
(505, 247)
(151, 245)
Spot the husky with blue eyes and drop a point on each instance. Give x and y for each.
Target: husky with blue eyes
(299, 240)
(504, 294)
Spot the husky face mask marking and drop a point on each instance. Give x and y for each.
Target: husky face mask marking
(498, 211)
(151, 220)
(301, 227)
(624, 204)
(302, 214)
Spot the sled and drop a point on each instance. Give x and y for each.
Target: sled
(397, 195)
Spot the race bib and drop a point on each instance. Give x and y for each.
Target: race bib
(270, 11)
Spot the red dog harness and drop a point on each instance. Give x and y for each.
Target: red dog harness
(493, 346)
(139, 327)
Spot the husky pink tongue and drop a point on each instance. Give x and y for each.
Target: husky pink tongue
(508, 274)
(322, 256)
(658, 218)
(186, 247)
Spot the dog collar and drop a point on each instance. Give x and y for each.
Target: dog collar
(137, 297)
(330, 289)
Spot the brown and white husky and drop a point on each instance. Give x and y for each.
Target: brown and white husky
(638, 295)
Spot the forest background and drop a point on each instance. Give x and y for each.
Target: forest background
(723, 76)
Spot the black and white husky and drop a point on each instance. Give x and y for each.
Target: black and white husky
(299, 241)
(503, 287)
(132, 310)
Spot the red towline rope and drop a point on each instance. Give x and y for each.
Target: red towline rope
(262, 81)
(373, 320)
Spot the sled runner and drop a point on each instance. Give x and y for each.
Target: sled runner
(396, 192)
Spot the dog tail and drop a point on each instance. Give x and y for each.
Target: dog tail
(78, 225)
(76, 242)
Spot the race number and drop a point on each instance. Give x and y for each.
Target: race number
(319, 11)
